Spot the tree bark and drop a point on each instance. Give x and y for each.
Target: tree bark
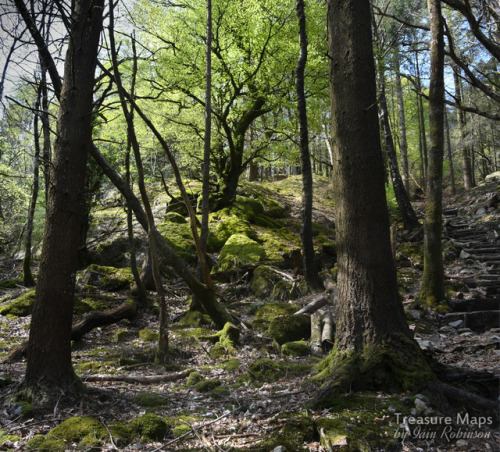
(368, 307)
(462, 130)
(432, 288)
(310, 271)
(403, 146)
(450, 156)
(49, 356)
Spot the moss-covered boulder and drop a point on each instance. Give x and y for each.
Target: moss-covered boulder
(240, 250)
(195, 319)
(113, 253)
(225, 341)
(266, 313)
(180, 237)
(263, 281)
(80, 430)
(194, 378)
(226, 225)
(148, 400)
(207, 385)
(175, 217)
(20, 306)
(296, 348)
(290, 328)
(107, 278)
(149, 427)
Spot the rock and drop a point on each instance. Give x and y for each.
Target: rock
(481, 211)
(279, 449)
(240, 250)
(456, 323)
(494, 330)
(289, 328)
(415, 314)
(467, 334)
(462, 444)
(424, 345)
(464, 255)
(296, 348)
(420, 405)
(464, 330)
(447, 329)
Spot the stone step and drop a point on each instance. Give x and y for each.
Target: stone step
(475, 304)
(475, 320)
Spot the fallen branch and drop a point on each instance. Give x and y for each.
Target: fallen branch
(314, 305)
(142, 379)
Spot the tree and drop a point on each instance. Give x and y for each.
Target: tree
(432, 288)
(49, 366)
(372, 337)
(310, 270)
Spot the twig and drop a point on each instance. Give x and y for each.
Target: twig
(145, 379)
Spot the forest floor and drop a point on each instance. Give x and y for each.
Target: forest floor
(256, 398)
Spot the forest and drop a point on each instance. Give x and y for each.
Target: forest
(264, 225)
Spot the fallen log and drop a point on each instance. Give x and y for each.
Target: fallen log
(327, 334)
(316, 333)
(142, 379)
(314, 305)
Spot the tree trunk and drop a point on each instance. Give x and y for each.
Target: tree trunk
(310, 271)
(27, 275)
(410, 220)
(450, 156)
(462, 130)
(423, 135)
(403, 146)
(49, 366)
(372, 336)
(432, 289)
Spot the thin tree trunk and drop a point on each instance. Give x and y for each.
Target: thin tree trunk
(422, 121)
(403, 144)
(466, 158)
(162, 350)
(310, 270)
(450, 156)
(408, 215)
(432, 289)
(49, 366)
(27, 275)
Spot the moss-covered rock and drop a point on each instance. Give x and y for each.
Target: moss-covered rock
(174, 217)
(240, 250)
(195, 319)
(149, 427)
(207, 385)
(226, 226)
(180, 237)
(263, 281)
(113, 253)
(225, 341)
(107, 278)
(20, 306)
(148, 400)
(10, 283)
(295, 430)
(290, 328)
(194, 378)
(148, 335)
(5, 437)
(231, 365)
(296, 348)
(75, 430)
(265, 314)
(123, 335)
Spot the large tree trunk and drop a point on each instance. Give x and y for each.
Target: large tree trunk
(49, 356)
(310, 270)
(432, 289)
(371, 326)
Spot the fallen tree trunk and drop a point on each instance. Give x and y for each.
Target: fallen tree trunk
(314, 305)
(126, 310)
(142, 379)
(316, 333)
(327, 333)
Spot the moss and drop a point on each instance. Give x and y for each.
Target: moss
(295, 429)
(109, 278)
(195, 319)
(227, 225)
(47, 445)
(231, 365)
(289, 290)
(4, 437)
(289, 328)
(268, 370)
(174, 217)
(35, 443)
(194, 378)
(207, 385)
(265, 314)
(75, 429)
(10, 283)
(148, 400)
(20, 306)
(180, 238)
(123, 335)
(278, 241)
(240, 250)
(263, 281)
(149, 427)
(275, 210)
(148, 335)
(297, 348)
(396, 364)
(225, 341)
